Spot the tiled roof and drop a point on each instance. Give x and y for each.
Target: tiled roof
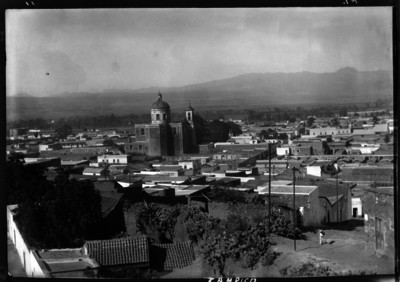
(119, 251)
(170, 256)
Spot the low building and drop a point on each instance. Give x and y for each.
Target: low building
(283, 151)
(122, 258)
(375, 129)
(195, 165)
(367, 173)
(356, 207)
(56, 263)
(329, 131)
(306, 200)
(114, 159)
(43, 162)
(378, 205)
(335, 202)
(95, 171)
(67, 263)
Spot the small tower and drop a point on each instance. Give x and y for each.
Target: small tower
(189, 114)
(160, 111)
(190, 120)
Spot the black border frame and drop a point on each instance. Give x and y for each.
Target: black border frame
(90, 4)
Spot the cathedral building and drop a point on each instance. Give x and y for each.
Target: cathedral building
(162, 137)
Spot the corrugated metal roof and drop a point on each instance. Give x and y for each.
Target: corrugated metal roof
(119, 251)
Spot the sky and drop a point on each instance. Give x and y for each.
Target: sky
(50, 52)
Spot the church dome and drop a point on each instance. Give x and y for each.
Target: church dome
(160, 104)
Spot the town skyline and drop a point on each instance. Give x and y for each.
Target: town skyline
(142, 48)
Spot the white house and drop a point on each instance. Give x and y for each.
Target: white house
(356, 206)
(329, 131)
(114, 159)
(195, 165)
(283, 151)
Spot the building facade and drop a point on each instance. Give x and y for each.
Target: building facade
(162, 137)
(378, 206)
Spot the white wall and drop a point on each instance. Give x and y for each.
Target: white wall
(314, 170)
(31, 265)
(356, 203)
(282, 151)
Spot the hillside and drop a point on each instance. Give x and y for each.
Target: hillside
(255, 90)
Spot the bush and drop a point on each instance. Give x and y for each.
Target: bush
(235, 223)
(307, 269)
(221, 194)
(152, 217)
(249, 243)
(284, 227)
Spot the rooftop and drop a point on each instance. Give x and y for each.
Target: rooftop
(119, 251)
(180, 190)
(61, 262)
(287, 189)
(170, 256)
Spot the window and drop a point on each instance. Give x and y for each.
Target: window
(165, 117)
(157, 116)
(118, 161)
(142, 131)
(140, 147)
(189, 116)
(130, 147)
(174, 130)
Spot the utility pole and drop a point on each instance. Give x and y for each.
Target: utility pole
(269, 190)
(294, 205)
(337, 194)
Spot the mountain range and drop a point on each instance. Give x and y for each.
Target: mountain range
(253, 90)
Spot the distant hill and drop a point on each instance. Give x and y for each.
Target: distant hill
(347, 85)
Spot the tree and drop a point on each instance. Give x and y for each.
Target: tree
(23, 183)
(109, 142)
(52, 214)
(375, 119)
(283, 136)
(310, 121)
(234, 128)
(200, 128)
(335, 122)
(218, 131)
(63, 131)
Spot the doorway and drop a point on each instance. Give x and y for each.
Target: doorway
(355, 212)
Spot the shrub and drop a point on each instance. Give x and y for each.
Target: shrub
(307, 269)
(221, 194)
(284, 227)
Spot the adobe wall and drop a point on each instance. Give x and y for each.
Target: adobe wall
(382, 206)
(30, 263)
